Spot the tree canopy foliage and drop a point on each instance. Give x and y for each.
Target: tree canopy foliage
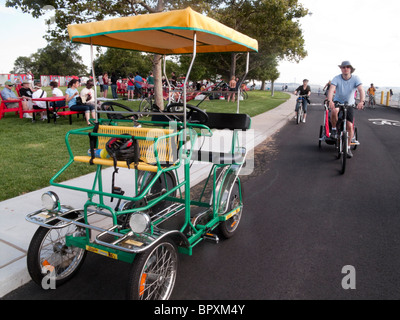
(274, 23)
(56, 58)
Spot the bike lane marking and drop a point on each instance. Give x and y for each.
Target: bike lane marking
(382, 122)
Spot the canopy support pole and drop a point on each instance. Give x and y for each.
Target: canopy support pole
(242, 80)
(187, 78)
(186, 155)
(94, 77)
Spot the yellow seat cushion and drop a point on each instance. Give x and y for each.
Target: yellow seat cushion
(166, 147)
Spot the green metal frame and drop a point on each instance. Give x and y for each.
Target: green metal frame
(189, 234)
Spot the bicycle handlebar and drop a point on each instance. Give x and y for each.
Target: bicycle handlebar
(345, 105)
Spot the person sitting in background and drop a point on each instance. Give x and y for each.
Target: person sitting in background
(8, 94)
(26, 93)
(56, 92)
(70, 97)
(87, 94)
(39, 93)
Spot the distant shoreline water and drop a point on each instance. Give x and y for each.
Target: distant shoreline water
(291, 87)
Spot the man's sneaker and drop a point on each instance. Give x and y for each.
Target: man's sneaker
(333, 134)
(304, 120)
(349, 154)
(355, 142)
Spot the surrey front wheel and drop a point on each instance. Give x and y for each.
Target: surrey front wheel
(49, 254)
(154, 272)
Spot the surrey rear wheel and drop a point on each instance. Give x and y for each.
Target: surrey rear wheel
(229, 227)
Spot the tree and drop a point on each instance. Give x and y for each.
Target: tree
(123, 62)
(22, 65)
(56, 58)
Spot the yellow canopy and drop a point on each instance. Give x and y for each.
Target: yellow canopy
(163, 33)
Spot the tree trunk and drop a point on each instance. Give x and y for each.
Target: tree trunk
(157, 71)
(272, 88)
(233, 65)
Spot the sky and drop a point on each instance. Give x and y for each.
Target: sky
(364, 32)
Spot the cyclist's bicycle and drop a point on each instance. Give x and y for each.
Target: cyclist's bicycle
(300, 108)
(371, 101)
(342, 139)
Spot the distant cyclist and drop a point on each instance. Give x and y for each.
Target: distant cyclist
(371, 94)
(345, 85)
(303, 90)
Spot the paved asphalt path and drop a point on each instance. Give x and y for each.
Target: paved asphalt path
(302, 223)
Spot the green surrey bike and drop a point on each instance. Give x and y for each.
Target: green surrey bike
(155, 217)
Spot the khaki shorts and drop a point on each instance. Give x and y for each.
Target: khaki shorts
(12, 105)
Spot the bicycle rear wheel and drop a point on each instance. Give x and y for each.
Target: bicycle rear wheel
(321, 135)
(114, 107)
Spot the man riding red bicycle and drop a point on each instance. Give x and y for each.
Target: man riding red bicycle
(345, 86)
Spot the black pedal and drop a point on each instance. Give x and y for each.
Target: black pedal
(211, 237)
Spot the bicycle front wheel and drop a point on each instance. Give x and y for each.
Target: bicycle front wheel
(145, 105)
(344, 144)
(299, 115)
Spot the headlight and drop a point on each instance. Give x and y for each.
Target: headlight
(139, 222)
(50, 200)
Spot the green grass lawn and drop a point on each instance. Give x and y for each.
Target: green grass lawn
(31, 153)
